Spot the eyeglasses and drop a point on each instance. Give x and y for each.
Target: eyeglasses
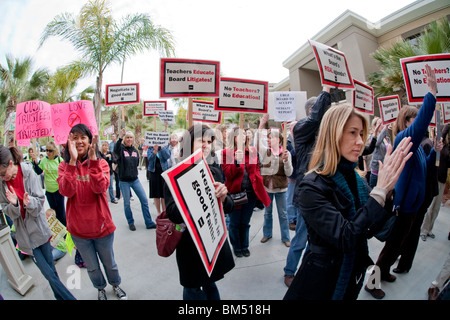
(49, 150)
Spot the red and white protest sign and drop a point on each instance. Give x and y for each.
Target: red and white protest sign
(414, 74)
(152, 108)
(389, 108)
(363, 97)
(109, 130)
(33, 120)
(122, 94)
(204, 111)
(189, 78)
(333, 66)
(67, 115)
(192, 187)
(446, 112)
(241, 95)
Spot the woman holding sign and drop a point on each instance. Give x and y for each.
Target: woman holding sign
(83, 177)
(193, 277)
(410, 188)
(22, 199)
(338, 210)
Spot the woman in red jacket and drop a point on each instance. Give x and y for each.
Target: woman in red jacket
(83, 177)
(242, 174)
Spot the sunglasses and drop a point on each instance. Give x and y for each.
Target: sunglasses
(49, 150)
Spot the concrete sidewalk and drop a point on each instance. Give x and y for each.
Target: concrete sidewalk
(147, 276)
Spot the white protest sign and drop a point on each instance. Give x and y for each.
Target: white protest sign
(122, 93)
(159, 138)
(166, 115)
(192, 188)
(363, 97)
(333, 66)
(189, 78)
(57, 228)
(287, 105)
(414, 74)
(239, 95)
(109, 130)
(389, 108)
(151, 108)
(204, 111)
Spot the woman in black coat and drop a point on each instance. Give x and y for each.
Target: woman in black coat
(193, 277)
(338, 210)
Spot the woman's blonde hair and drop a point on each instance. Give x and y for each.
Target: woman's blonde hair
(327, 154)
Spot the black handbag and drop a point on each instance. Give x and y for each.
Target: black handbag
(239, 198)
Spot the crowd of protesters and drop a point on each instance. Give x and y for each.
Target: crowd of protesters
(332, 182)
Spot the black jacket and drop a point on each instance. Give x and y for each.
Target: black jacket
(190, 266)
(305, 132)
(127, 161)
(331, 235)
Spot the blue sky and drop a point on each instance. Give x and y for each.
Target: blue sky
(250, 38)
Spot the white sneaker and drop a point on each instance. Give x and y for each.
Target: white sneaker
(120, 293)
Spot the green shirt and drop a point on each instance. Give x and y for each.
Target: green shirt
(50, 168)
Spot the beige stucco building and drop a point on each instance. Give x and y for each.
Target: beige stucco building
(358, 38)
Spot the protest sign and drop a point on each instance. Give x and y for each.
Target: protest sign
(414, 74)
(159, 138)
(333, 66)
(109, 130)
(287, 105)
(151, 108)
(66, 115)
(389, 108)
(57, 228)
(166, 115)
(189, 78)
(241, 95)
(33, 120)
(192, 188)
(204, 111)
(122, 94)
(446, 113)
(363, 97)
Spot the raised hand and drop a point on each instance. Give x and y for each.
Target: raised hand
(91, 152)
(393, 165)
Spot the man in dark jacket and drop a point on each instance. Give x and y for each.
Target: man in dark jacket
(305, 132)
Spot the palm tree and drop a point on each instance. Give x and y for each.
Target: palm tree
(18, 84)
(102, 41)
(389, 80)
(63, 83)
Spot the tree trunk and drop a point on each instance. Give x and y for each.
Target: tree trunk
(10, 108)
(98, 100)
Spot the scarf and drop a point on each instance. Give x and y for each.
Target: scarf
(346, 168)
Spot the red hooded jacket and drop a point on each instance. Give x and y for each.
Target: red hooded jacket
(87, 209)
(234, 173)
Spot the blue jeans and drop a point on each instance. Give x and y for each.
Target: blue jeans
(56, 202)
(239, 227)
(291, 210)
(206, 292)
(280, 198)
(43, 258)
(373, 180)
(111, 188)
(136, 185)
(298, 244)
(103, 247)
